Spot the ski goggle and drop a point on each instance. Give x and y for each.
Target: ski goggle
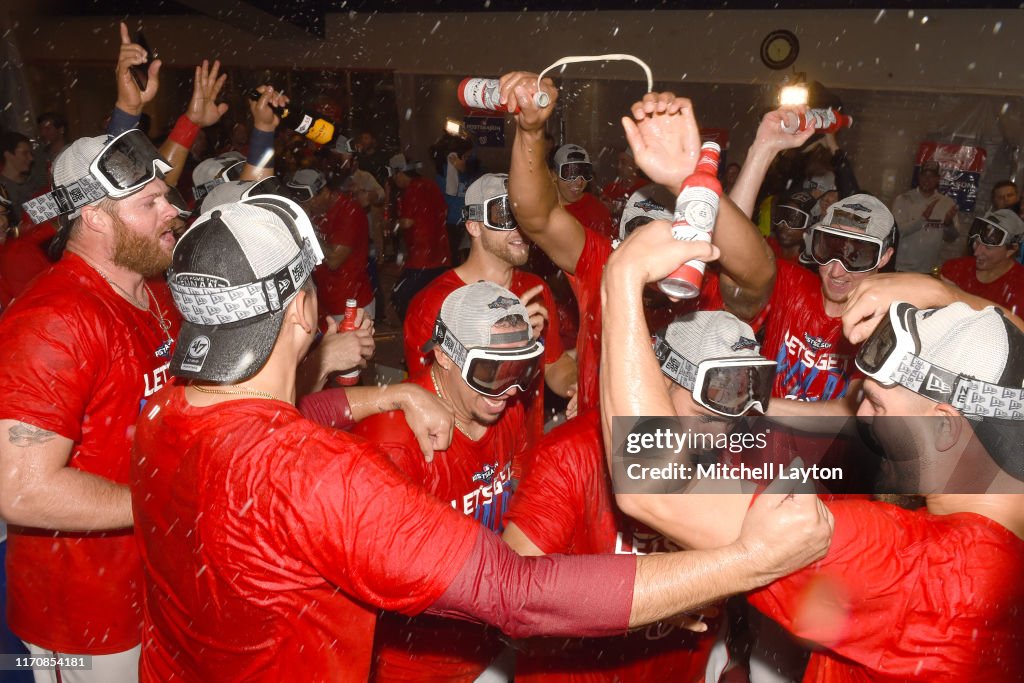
(890, 357)
(495, 213)
(203, 304)
(576, 169)
(272, 185)
(175, 199)
(990, 234)
(893, 339)
(726, 386)
(494, 371)
(125, 165)
(231, 172)
(855, 252)
(789, 217)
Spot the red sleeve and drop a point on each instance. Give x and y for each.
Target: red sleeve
(369, 530)
(391, 434)
(329, 408)
(551, 595)
(49, 366)
(418, 326)
(849, 600)
(590, 265)
(545, 506)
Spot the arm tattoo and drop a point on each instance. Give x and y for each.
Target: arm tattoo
(26, 435)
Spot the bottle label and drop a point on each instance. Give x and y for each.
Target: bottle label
(821, 118)
(696, 211)
(322, 132)
(482, 93)
(307, 121)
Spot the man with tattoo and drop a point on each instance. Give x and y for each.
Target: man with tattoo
(80, 351)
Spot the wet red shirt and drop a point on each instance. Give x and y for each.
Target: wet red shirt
(913, 597)
(566, 505)
(591, 213)
(815, 361)
(474, 478)
(23, 259)
(1007, 290)
(345, 224)
(79, 360)
(269, 542)
(427, 240)
(419, 327)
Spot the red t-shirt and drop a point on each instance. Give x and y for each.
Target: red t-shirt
(566, 505)
(345, 224)
(79, 360)
(419, 327)
(427, 240)
(586, 285)
(914, 597)
(815, 360)
(269, 542)
(474, 478)
(1007, 290)
(591, 213)
(22, 259)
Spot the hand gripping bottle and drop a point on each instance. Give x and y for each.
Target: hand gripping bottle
(696, 211)
(822, 120)
(348, 323)
(316, 128)
(484, 93)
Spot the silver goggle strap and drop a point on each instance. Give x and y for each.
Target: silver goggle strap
(64, 199)
(674, 366)
(225, 305)
(968, 395)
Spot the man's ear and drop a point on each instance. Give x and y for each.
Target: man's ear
(302, 311)
(474, 228)
(949, 426)
(885, 258)
(441, 358)
(97, 219)
(452, 157)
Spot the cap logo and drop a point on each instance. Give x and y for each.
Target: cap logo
(503, 302)
(817, 343)
(649, 205)
(857, 207)
(936, 384)
(575, 156)
(200, 280)
(196, 354)
(744, 344)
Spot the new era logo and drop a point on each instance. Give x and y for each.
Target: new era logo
(937, 385)
(502, 302)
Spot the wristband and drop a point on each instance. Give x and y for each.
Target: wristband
(184, 132)
(120, 121)
(261, 148)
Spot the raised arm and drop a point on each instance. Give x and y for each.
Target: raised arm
(260, 162)
(38, 489)
(530, 187)
(202, 111)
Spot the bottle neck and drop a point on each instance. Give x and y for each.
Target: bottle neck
(707, 163)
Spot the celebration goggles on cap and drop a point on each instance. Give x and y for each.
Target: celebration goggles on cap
(202, 302)
(231, 172)
(125, 165)
(493, 371)
(726, 386)
(890, 357)
(856, 252)
(990, 233)
(495, 213)
(572, 170)
(789, 217)
(175, 199)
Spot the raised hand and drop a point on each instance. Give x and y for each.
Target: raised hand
(130, 98)
(663, 135)
(263, 117)
(517, 89)
(203, 109)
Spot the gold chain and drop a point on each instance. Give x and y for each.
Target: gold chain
(164, 323)
(238, 392)
(437, 390)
